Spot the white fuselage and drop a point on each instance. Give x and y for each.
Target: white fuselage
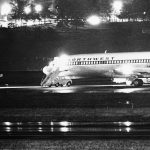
(107, 64)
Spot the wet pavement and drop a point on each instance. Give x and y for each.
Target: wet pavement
(74, 129)
(87, 96)
(79, 110)
(116, 88)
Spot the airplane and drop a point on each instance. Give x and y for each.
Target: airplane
(134, 67)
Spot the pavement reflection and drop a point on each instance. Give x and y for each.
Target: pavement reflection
(84, 89)
(74, 128)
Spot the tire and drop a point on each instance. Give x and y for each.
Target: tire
(68, 83)
(137, 82)
(141, 82)
(57, 84)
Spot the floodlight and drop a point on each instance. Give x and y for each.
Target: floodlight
(27, 9)
(94, 20)
(38, 8)
(117, 6)
(5, 9)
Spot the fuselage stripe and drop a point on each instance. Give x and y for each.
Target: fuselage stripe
(129, 61)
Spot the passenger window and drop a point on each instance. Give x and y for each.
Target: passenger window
(79, 63)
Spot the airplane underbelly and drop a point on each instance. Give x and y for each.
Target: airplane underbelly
(96, 70)
(107, 70)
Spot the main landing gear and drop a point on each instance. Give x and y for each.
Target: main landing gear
(135, 82)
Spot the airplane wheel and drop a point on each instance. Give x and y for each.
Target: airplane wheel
(137, 82)
(141, 82)
(68, 83)
(57, 84)
(61, 85)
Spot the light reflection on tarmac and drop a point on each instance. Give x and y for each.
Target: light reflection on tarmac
(83, 89)
(65, 128)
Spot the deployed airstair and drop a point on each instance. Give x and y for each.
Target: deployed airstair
(49, 79)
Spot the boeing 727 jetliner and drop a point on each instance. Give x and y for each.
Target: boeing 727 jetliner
(132, 66)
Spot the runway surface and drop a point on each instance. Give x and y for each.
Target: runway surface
(83, 89)
(88, 96)
(79, 110)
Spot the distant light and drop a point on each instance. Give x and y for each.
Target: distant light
(117, 7)
(19, 123)
(52, 123)
(15, 3)
(63, 56)
(1, 75)
(40, 129)
(7, 123)
(27, 10)
(39, 123)
(62, 61)
(94, 20)
(5, 9)
(38, 8)
(19, 128)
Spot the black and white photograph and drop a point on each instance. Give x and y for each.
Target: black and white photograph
(75, 74)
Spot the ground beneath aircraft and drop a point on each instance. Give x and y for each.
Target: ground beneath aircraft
(29, 110)
(116, 88)
(78, 100)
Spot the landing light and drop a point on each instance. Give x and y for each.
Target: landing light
(45, 70)
(63, 57)
(126, 69)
